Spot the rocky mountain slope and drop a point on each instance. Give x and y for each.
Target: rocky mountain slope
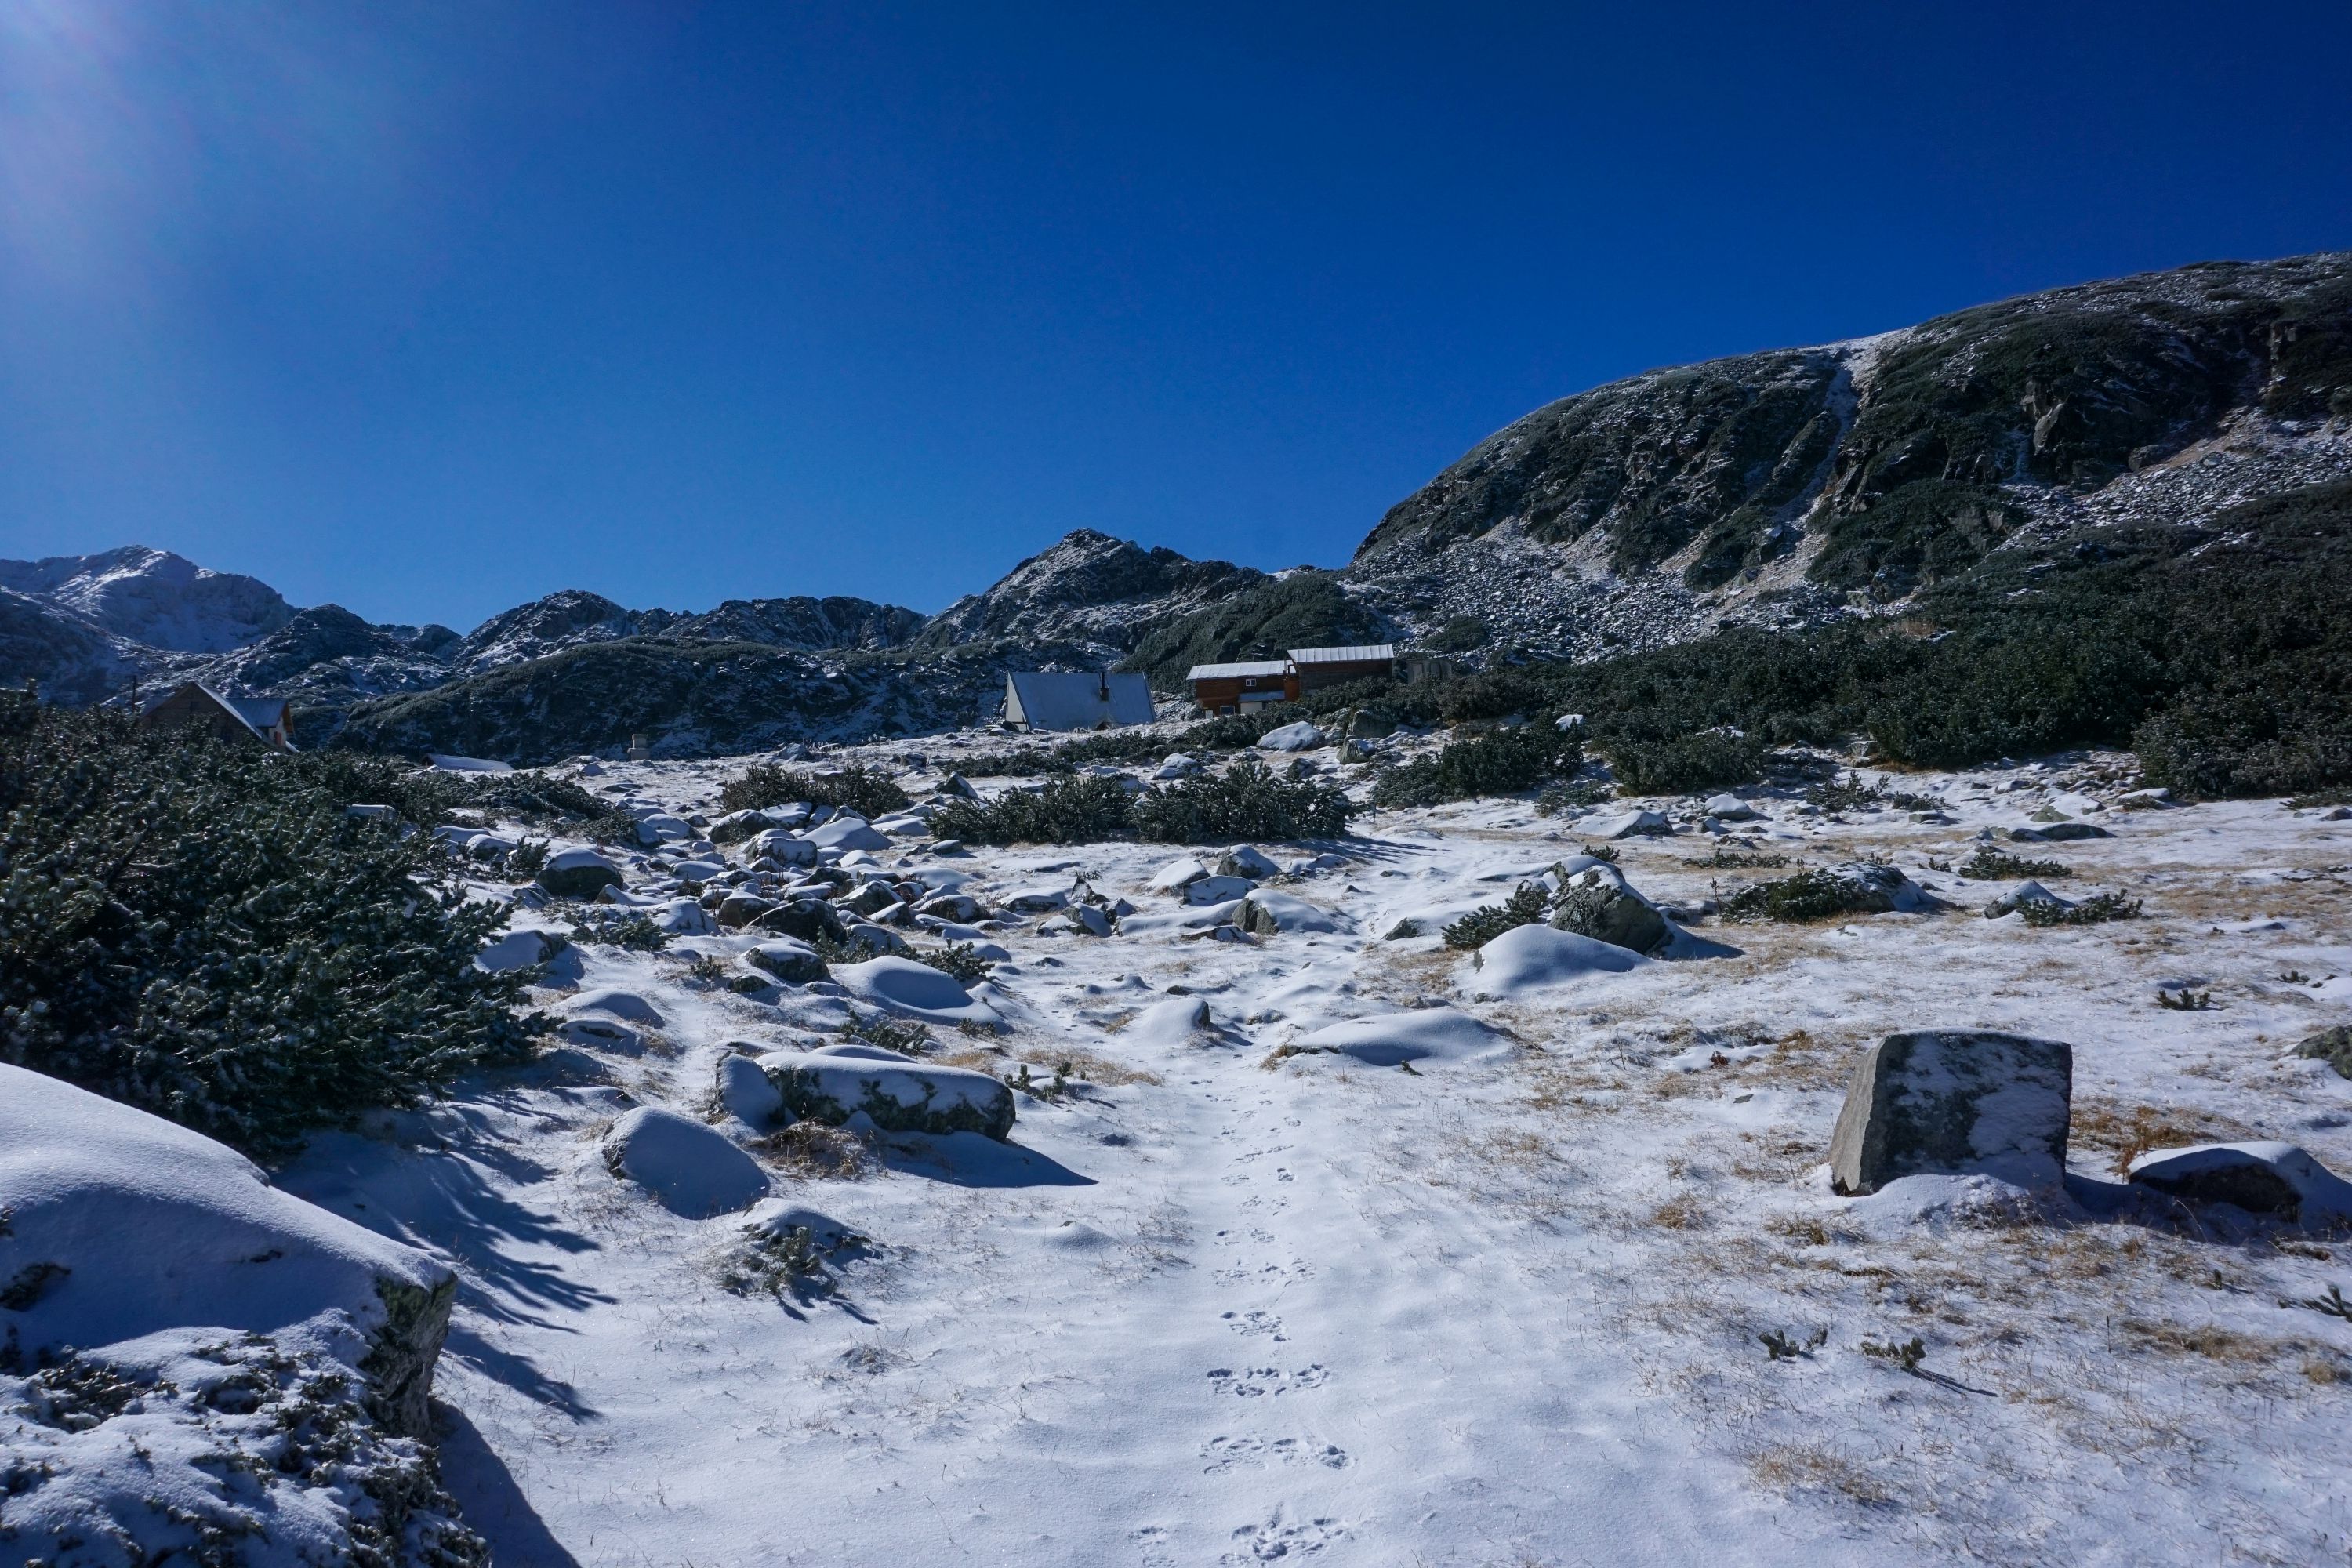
(1804, 484)
(1776, 489)
(154, 597)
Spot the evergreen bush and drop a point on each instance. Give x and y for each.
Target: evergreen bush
(1072, 808)
(1529, 905)
(866, 791)
(1498, 761)
(1247, 801)
(195, 928)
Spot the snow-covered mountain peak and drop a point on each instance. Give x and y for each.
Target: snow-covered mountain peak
(155, 597)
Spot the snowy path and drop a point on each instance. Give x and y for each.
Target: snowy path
(1501, 1313)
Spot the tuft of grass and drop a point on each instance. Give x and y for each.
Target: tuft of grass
(818, 1152)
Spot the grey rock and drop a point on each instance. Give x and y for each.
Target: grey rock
(2059, 833)
(789, 960)
(803, 918)
(2332, 1047)
(1954, 1101)
(1599, 906)
(2263, 1177)
(742, 909)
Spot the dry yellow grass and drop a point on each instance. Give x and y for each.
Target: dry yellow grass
(2127, 1131)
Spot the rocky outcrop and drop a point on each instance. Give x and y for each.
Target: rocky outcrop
(1953, 1102)
(1094, 595)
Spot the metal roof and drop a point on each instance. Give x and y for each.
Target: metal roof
(1232, 671)
(1368, 653)
(1076, 700)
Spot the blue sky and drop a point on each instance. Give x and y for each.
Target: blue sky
(426, 310)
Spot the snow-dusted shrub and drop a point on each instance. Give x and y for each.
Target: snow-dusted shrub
(197, 929)
(1686, 763)
(1072, 808)
(200, 1446)
(1245, 802)
(1989, 865)
(2095, 910)
(859, 788)
(1530, 905)
(1817, 895)
(1500, 761)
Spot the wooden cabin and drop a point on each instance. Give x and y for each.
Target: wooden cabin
(268, 720)
(1317, 668)
(1230, 687)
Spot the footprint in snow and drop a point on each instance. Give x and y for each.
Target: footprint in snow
(1256, 1323)
(1256, 1381)
(1225, 1453)
(1275, 1539)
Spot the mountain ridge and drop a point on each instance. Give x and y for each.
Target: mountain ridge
(1781, 490)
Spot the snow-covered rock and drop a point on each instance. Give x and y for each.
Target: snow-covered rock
(788, 958)
(1625, 824)
(120, 1223)
(579, 873)
(1299, 737)
(661, 828)
(846, 831)
(2264, 1176)
(1179, 1023)
(2025, 892)
(899, 1095)
(1439, 1034)
(1533, 958)
(684, 917)
(1731, 808)
(1278, 912)
(912, 990)
(781, 846)
(1217, 890)
(1955, 1102)
(1244, 861)
(693, 1169)
(614, 1003)
(1178, 875)
(519, 949)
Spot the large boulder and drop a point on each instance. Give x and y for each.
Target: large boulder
(805, 919)
(847, 831)
(738, 910)
(1268, 911)
(2260, 1177)
(2058, 833)
(898, 1094)
(1178, 875)
(1537, 957)
(1955, 1102)
(694, 1169)
(1299, 737)
(1627, 825)
(1730, 808)
(1244, 861)
(2332, 1047)
(2025, 892)
(781, 847)
(1597, 902)
(788, 958)
(121, 1224)
(744, 1092)
(912, 990)
(579, 874)
(1217, 890)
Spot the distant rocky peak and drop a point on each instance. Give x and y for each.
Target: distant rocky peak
(1088, 588)
(154, 597)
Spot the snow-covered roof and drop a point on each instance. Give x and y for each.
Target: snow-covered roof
(259, 713)
(1365, 653)
(1232, 671)
(1076, 700)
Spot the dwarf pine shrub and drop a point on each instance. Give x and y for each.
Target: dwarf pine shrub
(1498, 761)
(1072, 808)
(2091, 912)
(1810, 895)
(1247, 801)
(1529, 905)
(1989, 865)
(866, 791)
(195, 928)
(1685, 763)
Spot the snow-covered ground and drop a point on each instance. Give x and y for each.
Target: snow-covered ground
(1218, 1304)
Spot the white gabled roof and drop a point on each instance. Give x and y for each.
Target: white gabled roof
(1365, 653)
(1231, 671)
